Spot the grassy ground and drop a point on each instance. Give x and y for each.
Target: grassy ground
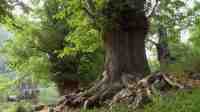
(180, 102)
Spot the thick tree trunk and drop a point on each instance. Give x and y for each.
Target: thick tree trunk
(124, 40)
(125, 46)
(64, 72)
(124, 31)
(67, 86)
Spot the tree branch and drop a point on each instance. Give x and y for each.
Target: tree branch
(91, 5)
(89, 13)
(89, 8)
(24, 6)
(40, 49)
(153, 10)
(153, 42)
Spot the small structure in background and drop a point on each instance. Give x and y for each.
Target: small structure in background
(27, 90)
(12, 98)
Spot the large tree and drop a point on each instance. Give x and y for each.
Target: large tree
(167, 22)
(50, 47)
(124, 26)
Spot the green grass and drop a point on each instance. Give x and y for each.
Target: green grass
(48, 95)
(180, 102)
(16, 107)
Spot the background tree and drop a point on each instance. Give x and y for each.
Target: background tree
(52, 48)
(124, 26)
(167, 22)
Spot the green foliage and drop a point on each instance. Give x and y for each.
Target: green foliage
(4, 10)
(5, 85)
(187, 54)
(16, 107)
(186, 59)
(154, 65)
(48, 95)
(70, 40)
(181, 102)
(195, 33)
(4, 82)
(24, 58)
(117, 108)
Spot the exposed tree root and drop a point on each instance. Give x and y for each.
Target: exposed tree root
(131, 91)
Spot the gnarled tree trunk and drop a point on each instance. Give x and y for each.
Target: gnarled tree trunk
(125, 52)
(124, 35)
(124, 41)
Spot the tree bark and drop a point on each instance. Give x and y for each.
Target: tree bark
(125, 45)
(124, 31)
(67, 86)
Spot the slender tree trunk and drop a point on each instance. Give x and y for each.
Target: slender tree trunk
(163, 52)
